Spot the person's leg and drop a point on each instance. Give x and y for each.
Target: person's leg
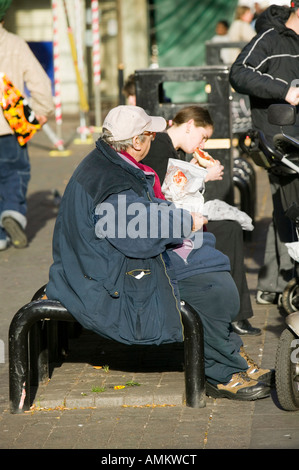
(215, 297)
(14, 179)
(229, 240)
(278, 267)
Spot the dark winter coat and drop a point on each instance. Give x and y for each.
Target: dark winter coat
(99, 284)
(266, 68)
(123, 287)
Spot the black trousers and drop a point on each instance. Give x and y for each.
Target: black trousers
(215, 298)
(229, 240)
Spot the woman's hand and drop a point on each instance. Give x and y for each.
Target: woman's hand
(215, 172)
(198, 221)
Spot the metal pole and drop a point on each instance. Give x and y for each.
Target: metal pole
(96, 60)
(194, 357)
(121, 97)
(57, 87)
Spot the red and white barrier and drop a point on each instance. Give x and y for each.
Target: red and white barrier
(96, 55)
(96, 42)
(57, 84)
(56, 139)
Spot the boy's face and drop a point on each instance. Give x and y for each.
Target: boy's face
(221, 30)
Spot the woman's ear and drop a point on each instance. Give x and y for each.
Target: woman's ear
(188, 125)
(136, 142)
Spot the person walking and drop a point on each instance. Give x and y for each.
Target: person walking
(21, 67)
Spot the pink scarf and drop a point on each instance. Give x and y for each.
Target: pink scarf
(147, 169)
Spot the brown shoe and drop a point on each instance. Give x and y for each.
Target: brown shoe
(254, 372)
(240, 387)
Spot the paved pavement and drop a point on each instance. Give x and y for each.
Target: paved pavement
(127, 398)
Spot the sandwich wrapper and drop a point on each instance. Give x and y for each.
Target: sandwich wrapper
(184, 184)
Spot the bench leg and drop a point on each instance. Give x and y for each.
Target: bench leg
(19, 379)
(39, 353)
(19, 369)
(194, 357)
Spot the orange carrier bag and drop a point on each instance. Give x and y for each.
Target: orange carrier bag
(17, 111)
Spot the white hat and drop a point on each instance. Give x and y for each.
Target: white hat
(124, 122)
(264, 4)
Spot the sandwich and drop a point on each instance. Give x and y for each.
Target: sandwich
(204, 159)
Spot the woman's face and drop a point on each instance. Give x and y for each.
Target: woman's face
(196, 137)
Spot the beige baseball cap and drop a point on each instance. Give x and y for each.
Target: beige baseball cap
(124, 122)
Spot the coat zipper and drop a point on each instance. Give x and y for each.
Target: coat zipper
(172, 289)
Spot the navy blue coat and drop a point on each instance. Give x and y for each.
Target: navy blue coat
(126, 296)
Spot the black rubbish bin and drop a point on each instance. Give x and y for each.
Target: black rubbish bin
(151, 95)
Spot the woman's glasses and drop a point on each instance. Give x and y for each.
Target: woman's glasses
(151, 134)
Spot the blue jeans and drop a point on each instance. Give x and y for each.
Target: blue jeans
(216, 299)
(14, 177)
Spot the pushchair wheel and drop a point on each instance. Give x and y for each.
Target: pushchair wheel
(287, 371)
(290, 296)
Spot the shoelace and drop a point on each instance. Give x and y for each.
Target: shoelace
(242, 376)
(248, 358)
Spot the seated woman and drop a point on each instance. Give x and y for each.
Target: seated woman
(118, 271)
(191, 128)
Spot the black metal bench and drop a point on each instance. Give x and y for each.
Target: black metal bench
(30, 350)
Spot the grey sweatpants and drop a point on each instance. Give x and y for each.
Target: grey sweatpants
(279, 268)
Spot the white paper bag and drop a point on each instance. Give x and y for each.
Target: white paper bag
(183, 183)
